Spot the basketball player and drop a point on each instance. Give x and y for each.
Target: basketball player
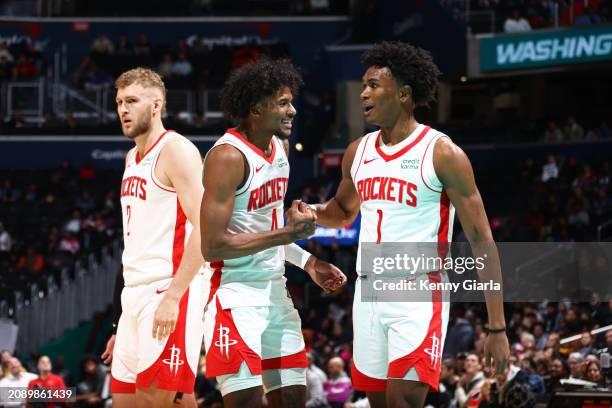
(253, 335)
(406, 179)
(160, 330)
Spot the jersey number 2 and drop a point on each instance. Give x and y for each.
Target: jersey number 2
(128, 212)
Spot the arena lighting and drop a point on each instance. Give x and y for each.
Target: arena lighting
(463, 78)
(299, 147)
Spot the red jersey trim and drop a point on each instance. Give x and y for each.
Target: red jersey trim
(256, 149)
(401, 152)
(117, 386)
(444, 224)
(178, 246)
(365, 145)
(139, 159)
(362, 382)
(215, 280)
(423, 165)
(297, 360)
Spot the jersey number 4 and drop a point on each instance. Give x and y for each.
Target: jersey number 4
(274, 221)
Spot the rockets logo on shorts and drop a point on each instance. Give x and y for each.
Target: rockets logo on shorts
(434, 351)
(224, 341)
(175, 359)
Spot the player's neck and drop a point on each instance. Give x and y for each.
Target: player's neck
(145, 141)
(261, 139)
(398, 131)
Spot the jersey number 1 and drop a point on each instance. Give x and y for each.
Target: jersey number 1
(379, 226)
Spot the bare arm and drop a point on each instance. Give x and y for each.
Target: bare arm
(223, 174)
(343, 208)
(455, 172)
(180, 164)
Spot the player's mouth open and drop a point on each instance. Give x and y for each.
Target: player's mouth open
(286, 123)
(367, 109)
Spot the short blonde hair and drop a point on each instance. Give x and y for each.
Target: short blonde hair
(143, 76)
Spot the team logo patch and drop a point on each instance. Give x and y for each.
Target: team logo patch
(175, 359)
(434, 351)
(224, 341)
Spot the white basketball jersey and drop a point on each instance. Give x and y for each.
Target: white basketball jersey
(402, 199)
(155, 228)
(258, 279)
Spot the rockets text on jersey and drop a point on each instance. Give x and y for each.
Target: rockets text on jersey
(402, 199)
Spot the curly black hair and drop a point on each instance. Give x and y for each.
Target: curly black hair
(409, 65)
(256, 81)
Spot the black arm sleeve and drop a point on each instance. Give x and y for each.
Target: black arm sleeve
(119, 283)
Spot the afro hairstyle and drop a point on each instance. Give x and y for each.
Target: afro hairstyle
(254, 82)
(409, 65)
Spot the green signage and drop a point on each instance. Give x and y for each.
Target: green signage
(546, 48)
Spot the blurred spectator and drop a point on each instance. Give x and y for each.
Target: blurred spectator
(87, 171)
(540, 336)
(315, 380)
(460, 335)
(467, 393)
(553, 133)
(5, 360)
(602, 131)
(589, 17)
(338, 386)
(62, 371)
(535, 381)
(123, 46)
(558, 371)
(31, 262)
(74, 224)
(449, 379)
(182, 67)
(46, 379)
(516, 23)
(102, 45)
(526, 345)
(572, 130)
(85, 201)
(69, 243)
(96, 78)
(143, 46)
(244, 54)
(550, 170)
(5, 53)
(16, 378)
(24, 68)
(586, 345)
(89, 388)
(592, 371)
(165, 66)
(575, 361)
(608, 336)
(6, 242)
(536, 14)
(513, 390)
(6, 66)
